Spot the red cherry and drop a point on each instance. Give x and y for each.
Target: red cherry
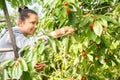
(84, 55)
(83, 50)
(83, 78)
(68, 11)
(97, 56)
(39, 66)
(65, 4)
(92, 26)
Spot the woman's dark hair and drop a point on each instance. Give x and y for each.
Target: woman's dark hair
(23, 12)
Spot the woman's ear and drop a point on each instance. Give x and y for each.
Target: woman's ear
(19, 22)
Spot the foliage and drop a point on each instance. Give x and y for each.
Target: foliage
(91, 53)
(12, 19)
(2, 25)
(15, 3)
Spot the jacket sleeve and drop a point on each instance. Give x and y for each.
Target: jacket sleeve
(22, 41)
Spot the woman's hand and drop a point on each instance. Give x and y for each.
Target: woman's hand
(68, 30)
(62, 32)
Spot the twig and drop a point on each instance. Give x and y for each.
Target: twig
(5, 49)
(97, 9)
(2, 20)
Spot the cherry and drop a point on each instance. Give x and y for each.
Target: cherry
(65, 4)
(83, 78)
(84, 55)
(92, 26)
(83, 50)
(96, 57)
(39, 66)
(68, 11)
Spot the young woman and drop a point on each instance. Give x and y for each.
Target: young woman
(27, 25)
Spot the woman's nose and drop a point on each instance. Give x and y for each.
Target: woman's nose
(35, 26)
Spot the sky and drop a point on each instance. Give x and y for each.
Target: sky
(11, 10)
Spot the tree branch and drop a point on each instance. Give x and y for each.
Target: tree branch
(97, 9)
(10, 31)
(5, 49)
(2, 20)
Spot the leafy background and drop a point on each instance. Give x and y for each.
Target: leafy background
(91, 53)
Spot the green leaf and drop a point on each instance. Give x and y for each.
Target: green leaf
(114, 45)
(26, 76)
(65, 43)
(30, 67)
(76, 61)
(24, 48)
(101, 59)
(4, 75)
(2, 4)
(98, 28)
(5, 63)
(11, 63)
(63, 21)
(85, 21)
(29, 56)
(52, 43)
(18, 71)
(112, 57)
(107, 41)
(91, 69)
(117, 10)
(109, 19)
(98, 40)
(90, 57)
(13, 72)
(103, 22)
(91, 35)
(86, 42)
(41, 48)
(17, 3)
(53, 2)
(23, 65)
(72, 18)
(9, 69)
(72, 1)
(34, 59)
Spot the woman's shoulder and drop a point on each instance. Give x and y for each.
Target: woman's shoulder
(16, 29)
(17, 32)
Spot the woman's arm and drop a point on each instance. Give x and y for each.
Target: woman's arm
(22, 41)
(62, 32)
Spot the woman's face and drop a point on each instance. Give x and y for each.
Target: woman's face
(29, 25)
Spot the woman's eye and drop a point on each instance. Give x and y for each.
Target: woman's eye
(33, 22)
